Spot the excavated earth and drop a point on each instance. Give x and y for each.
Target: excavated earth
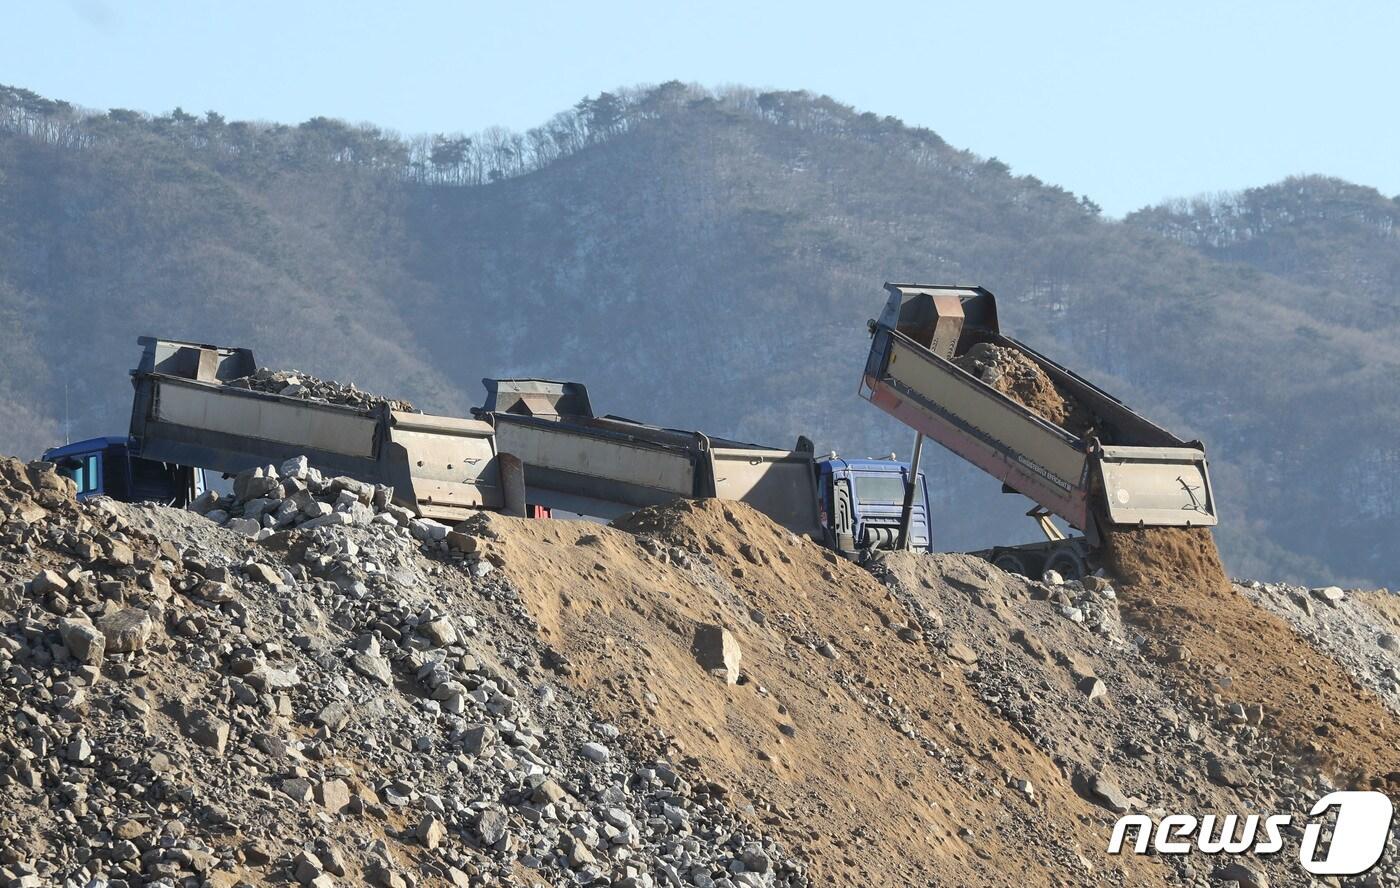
(691, 697)
(1216, 645)
(851, 731)
(1018, 377)
(345, 704)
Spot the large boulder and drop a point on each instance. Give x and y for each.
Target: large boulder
(126, 630)
(717, 651)
(84, 641)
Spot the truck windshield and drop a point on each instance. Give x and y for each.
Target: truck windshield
(882, 488)
(83, 470)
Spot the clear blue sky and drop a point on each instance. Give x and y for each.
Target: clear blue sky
(1126, 102)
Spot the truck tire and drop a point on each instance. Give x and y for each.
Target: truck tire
(1011, 562)
(1069, 564)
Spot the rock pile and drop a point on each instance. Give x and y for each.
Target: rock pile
(1129, 738)
(334, 704)
(296, 495)
(1360, 628)
(295, 384)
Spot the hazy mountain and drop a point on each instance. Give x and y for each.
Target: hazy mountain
(708, 261)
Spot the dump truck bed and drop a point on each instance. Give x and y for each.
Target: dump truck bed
(574, 465)
(441, 467)
(606, 466)
(1145, 475)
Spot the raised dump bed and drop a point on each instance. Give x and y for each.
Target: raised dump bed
(1117, 467)
(185, 413)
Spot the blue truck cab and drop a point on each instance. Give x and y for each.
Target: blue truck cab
(862, 501)
(107, 467)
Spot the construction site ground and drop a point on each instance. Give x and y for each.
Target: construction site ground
(694, 694)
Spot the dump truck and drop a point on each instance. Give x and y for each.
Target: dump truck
(606, 466)
(1123, 471)
(534, 447)
(106, 467)
(184, 414)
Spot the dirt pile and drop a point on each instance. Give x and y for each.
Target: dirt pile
(1161, 556)
(1226, 650)
(1018, 377)
(693, 698)
(852, 731)
(1358, 628)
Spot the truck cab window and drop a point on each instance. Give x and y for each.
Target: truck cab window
(883, 488)
(85, 471)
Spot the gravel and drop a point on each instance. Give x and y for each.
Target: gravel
(352, 703)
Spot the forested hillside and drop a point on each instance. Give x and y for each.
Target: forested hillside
(709, 260)
(1341, 238)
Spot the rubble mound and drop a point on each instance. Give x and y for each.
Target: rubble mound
(1018, 377)
(695, 697)
(1056, 662)
(183, 705)
(296, 384)
(1359, 628)
(267, 499)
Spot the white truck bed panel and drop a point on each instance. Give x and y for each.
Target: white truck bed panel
(211, 408)
(565, 450)
(1155, 486)
(779, 483)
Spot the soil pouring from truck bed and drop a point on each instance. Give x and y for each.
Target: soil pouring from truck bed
(1225, 651)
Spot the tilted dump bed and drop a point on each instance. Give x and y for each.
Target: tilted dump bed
(607, 466)
(441, 467)
(1126, 471)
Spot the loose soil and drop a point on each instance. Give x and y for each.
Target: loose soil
(1386, 605)
(1018, 377)
(1164, 556)
(1033, 661)
(1174, 590)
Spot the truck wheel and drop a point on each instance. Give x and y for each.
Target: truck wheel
(1069, 564)
(1011, 563)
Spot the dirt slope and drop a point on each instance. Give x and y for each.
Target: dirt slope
(524, 702)
(1357, 630)
(1175, 591)
(1060, 667)
(863, 747)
